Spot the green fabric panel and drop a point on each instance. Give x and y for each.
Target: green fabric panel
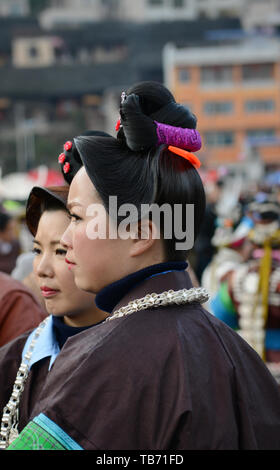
(225, 297)
(33, 437)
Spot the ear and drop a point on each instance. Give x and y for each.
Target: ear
(146, 233)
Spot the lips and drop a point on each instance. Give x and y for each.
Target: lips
(70, 263)
(48, 291)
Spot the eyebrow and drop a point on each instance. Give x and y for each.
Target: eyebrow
(54, 242)
(72, 204)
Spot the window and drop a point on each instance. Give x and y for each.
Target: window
(155, 3)
(258, 106)
(33, 52)
(218, 107)
(260, 132)
(219, 139)
(257, 72)
(216, 74)
(184, 75)
(178, 3)
(257, 136)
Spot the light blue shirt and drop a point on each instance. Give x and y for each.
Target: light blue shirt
(45, 346)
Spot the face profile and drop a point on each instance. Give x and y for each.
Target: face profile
(62, 296)
(93, 262)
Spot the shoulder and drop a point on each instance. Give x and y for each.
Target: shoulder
(152, 363)
(10, 285)
(144, 337)
(10, 360)
(13, 349)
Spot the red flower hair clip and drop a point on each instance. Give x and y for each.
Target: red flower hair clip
(68, 145)
(61, 158)
(118, 125)
(66, 167)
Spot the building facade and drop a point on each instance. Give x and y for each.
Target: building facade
(139, 11)
(14, 8)
(234, 91)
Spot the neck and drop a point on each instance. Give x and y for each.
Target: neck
(86, 318)
(110, 295)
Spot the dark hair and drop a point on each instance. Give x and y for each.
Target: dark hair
(144, 104)
(152, 175)
(4, 220)
(71, 156)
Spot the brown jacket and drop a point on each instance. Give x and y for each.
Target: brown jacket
(170, 378)
(20, 311)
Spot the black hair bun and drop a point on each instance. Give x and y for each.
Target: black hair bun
(177, 115)
(139, 130)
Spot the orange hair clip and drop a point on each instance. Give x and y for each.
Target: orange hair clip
(185, 154)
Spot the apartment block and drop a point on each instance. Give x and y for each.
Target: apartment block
(234, 90)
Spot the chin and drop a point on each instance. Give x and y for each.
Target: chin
(87, 285)
(84, 285)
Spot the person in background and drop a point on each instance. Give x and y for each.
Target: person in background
(20, 309)
(233, 247)
(248, 299)
(23, 272)
(70, 310)
(204, 250)
(9, 245)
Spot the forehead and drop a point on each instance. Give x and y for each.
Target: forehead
(52, 225)
(82, 190)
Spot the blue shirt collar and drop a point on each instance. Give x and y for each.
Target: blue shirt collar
(51, 340)
(46, 345)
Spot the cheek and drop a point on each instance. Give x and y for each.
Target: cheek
(89, 254)
(35, 265)
(65, 278)
(80, 242)
(94, 254)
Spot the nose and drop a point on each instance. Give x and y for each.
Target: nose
(42, 267)
(66, 239)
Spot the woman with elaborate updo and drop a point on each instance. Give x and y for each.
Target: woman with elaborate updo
(160, 373)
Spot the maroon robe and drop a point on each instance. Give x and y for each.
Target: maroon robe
(167, 378)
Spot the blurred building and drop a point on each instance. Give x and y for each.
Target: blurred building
(33, 51)
(56, 83)
(61, 13)
(261, 14)
(157, 10)
(71, 12)
(252, 13)
(63, 72)
(14, 8)
(234, 90)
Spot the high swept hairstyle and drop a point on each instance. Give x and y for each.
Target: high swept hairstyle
(137, 170)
